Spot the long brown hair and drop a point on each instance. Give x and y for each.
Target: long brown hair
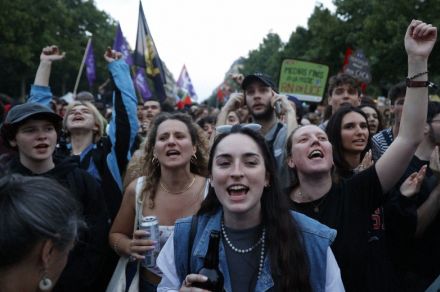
(289, 263)
(334, 133)
(151, 168)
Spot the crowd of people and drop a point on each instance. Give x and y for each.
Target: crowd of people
(342, 203)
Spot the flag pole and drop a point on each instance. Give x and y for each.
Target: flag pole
(81, 67)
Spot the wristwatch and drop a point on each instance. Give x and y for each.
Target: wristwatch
(412, 83)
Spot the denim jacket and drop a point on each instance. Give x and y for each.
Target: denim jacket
(317, 238)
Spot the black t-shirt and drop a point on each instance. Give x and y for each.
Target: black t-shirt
(418, 257)
(347, 207)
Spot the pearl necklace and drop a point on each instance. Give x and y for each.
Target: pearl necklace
(246, 250)
(178, 192)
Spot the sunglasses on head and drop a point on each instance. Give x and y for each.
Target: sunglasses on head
(226, 129)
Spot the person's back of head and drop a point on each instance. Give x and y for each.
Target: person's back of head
(396, 94)
(36, 212)
(397, 91)
(168, 107)
(433, 121)
(85, 96)
(433, 111)
(298, 107)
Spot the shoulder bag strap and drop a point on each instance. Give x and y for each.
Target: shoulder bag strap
(192, 235)
(138, 204)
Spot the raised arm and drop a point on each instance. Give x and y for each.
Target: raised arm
(288, 110)
(419, 41)
(235, 101)
(48, 55)
(40, 91)
(123, 126)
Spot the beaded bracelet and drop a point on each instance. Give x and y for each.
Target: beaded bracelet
(417, 75)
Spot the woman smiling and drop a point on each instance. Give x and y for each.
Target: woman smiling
(264, 246)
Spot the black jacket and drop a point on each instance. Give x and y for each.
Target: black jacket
(87, 259)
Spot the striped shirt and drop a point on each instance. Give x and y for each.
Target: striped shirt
(380, 142)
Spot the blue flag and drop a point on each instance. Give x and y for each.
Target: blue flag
(146, 56)
(90, 65)
(121, 45)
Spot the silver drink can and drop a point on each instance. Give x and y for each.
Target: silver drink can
(150, 224)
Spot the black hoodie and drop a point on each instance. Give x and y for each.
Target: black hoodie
(87, 259)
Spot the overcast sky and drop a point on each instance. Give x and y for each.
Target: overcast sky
(209, 35)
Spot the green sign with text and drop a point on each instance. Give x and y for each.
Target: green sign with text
(305, 80)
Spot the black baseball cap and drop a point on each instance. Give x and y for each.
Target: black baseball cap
(22, 112)
(27, 110)
(261, 77)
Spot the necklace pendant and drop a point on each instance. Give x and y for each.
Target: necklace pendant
(316, 209)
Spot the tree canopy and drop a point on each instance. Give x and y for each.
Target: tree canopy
(27, 26)
(375, 26)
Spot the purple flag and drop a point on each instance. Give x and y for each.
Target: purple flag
(184, 82)
(140, 82)
(90, 65)
(120, 44)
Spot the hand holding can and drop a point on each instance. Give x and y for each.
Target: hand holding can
(140, 244)
(150, 225)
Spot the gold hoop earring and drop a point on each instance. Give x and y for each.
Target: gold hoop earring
(194, 158)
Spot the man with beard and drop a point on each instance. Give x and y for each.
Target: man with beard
(261, 97)
(413, 222)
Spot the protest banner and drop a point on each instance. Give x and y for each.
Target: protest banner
(358, 67)
(305, 80)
